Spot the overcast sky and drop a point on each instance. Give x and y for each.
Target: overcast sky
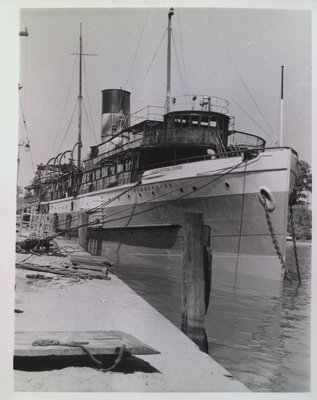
(228, 53)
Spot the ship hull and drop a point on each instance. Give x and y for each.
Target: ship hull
(143, 222)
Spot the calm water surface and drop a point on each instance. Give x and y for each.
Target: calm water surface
(262, 340)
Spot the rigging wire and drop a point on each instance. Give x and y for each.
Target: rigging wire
(182, 81)
(252, 119)
(150, 65)
(26, 133)
(25, 85)
(90, 125)
(154, 207)
(68, 127)
(64, 109)
(137, 47)
(91, 120)
(243, 81)
(182, 51)
(150, 201)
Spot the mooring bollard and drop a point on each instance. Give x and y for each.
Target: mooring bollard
(196, 278)
(82, 230)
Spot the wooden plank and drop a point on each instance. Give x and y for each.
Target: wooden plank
(91, 268)
(141, 227)
(87, 259)
(69, 272)
(98, 343)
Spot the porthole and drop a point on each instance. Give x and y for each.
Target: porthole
(140, 194)
(153, 192)
(194, 188)
(227, 185)
(181, 190)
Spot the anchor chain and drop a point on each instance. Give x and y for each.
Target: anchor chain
(274, 239)
(291, 218)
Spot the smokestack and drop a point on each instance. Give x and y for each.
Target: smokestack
(115, 112)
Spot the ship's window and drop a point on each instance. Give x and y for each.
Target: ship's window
(178, 122)
(140, 194)
(184, 122)
(213, 124)
(181, 190)
(195, 122)
(204, 122)
(153, 192)
(194, 188)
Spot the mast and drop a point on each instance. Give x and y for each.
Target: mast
(281, 111)
(168, 84)
(80, 97)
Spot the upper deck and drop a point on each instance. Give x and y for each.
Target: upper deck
(193, 122)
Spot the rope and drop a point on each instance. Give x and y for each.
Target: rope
(26, 132)
(102, 205)
(252, 119)
(182, 50)
(121, 355)
(90, 124)
(241, 220)
(89, 116)
(48, 342)
(68, 126)
(103, 220)
(291, 218)
(181, 78)
(167, 202)
(149, 67)
(241, 77)
(274, 239)
(64, 108)
(137, 48)
(82, 345)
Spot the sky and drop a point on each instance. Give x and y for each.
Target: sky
(234, 54)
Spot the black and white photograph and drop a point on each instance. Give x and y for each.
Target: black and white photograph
(162, 168)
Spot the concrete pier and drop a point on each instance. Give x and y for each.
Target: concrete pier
(68, 304)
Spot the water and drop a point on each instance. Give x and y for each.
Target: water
(262, 340)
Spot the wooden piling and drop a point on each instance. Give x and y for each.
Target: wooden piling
(195, 278)
(82, 231)
(55, 223)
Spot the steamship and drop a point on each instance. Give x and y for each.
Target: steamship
(154, 165)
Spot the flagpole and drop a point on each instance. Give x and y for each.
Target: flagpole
(281, 109)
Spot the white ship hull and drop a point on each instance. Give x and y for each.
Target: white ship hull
(140, 221)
